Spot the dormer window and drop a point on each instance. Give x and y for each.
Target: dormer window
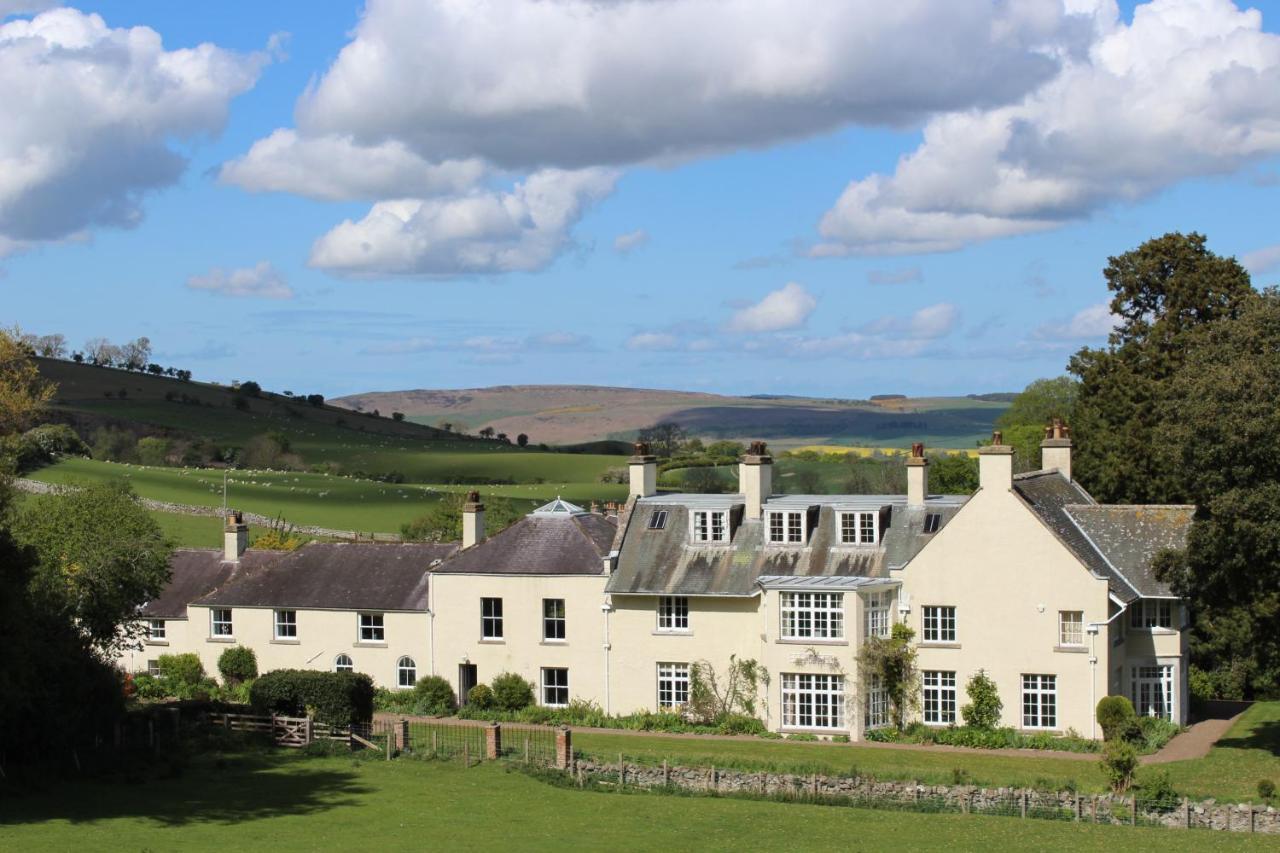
(711, 526)
(658, 520)
(786, 527)
(859, 528)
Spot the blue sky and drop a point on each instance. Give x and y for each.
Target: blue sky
(829, 199)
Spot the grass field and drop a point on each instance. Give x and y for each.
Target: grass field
(285, 801)
(341, 503)
(1250, 751)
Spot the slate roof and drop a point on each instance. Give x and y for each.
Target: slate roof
(196, 572)
(1114, 541)
(665, 562)
(337, 576)
(1129, 537)
(542, 543)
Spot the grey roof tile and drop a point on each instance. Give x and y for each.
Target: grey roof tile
(1129, 536)
(540, 544)
(196, 572)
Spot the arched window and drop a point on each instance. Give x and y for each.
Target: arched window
(407, 672)
(343, 663)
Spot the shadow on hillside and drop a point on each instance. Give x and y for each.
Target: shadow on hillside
(227, 790)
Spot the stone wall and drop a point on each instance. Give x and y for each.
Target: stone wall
(866, 791)
(39, 488)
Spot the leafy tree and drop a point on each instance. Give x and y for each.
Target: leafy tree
(1165, 291)
(114, 445)
(51, 346)
(101, 557)
(664, 439)
(153, 450)
(250, 389)
(1119, 762)
(1024, 421)
(23, 392)
(443, 522)
(486, 432)
(704, 480)
(1219, 436)
(316, 400)
(983, 709)
(397, 416)
(953, 474)
(522, 440)
(237, 665)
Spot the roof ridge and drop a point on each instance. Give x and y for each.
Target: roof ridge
(1134, 506)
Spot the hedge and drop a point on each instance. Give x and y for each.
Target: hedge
(337, 698)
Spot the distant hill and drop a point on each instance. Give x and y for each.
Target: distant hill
(581, 414)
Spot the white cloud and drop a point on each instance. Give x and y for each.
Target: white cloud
(624, 243)
(786, 308)
(558, 341)
(1191, 87)
(480, 232)
(337, 168)
(24, 7)
(262, 280)
(573, 83)
(1262, 260)
(405, 347)
(1095, 321)
(653, 341)
(87, 117)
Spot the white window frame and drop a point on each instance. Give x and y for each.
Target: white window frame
(153, 668)
(156, 629)
(876, 704)
(1151, 688)
(371, 627)
(786, 527)
(1071, 628)
(860, 527)
(339, 666)
(287, 620)
(709, 525)
(811, 616)
(812, 700)
(491, 622)
(549, 686)
(551, 621)
(224, 627)
(938, 697)
(879, 613)
(673, 614)
(673, 685)
(938, 623)
(406, 673)
(1039, 701)
(1148, 614)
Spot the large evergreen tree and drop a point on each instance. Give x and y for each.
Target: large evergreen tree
(1164, 292)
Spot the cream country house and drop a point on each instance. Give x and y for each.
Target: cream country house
(1028, 578)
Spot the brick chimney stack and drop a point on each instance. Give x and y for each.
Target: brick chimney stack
(1055, 450)
(755, 475)
(917, 476)
(235, 538)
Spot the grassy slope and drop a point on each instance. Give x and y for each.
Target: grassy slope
(360, 443)
(1248, 752)
(291, 802)
(337, 502)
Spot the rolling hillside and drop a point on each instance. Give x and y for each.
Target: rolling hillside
(571, 414)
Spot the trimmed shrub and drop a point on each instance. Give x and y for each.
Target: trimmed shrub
(337, 698)
(1158, 790)
(1154, 732)
(1119, 761)
(182, 669)
(1116, 717)
(1266, 789)
(433, 695)
(480, 697)
(511, 692)
(738, 724)
(983, 710)
(237, 665)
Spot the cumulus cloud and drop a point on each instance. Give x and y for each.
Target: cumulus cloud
(87, 118)
(337, 168)
(558, 341)
(1096, 321)
(24, 7)
(479, 232)
(624, 243)
(904, 275)
(261, 280)
(1262, 260)
(786, 308)
(1189, 88)
(486, 346)
(572, 83)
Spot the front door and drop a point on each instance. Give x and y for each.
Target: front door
(466, 680)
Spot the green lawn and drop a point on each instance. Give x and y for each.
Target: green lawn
(282, 801)
(342, 503)
(1248, 752)
(194, 531)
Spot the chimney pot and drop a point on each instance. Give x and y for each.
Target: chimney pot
(235, 537)
(755, 475)
(1055, 450)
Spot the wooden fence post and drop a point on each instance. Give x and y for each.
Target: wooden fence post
(1134, 818)
(1077, 809)
(622, 772)
(405, 744)
(666, 774)
(434, 750)
(1186, 813)
(391, 736)
(466, 754)
(526, 749)
(1093, 808)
